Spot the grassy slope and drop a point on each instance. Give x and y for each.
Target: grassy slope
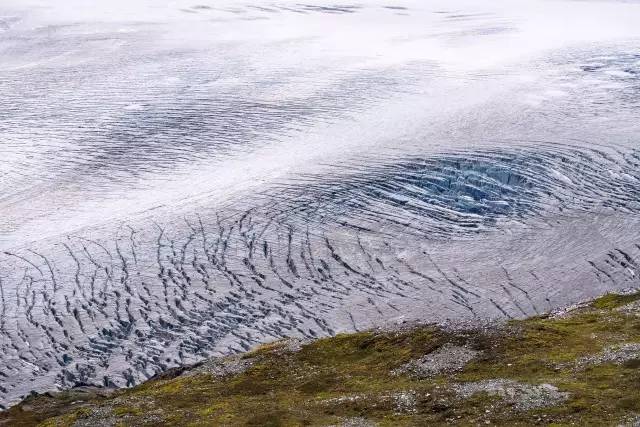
(331, 380)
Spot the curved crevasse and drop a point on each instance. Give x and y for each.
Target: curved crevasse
(317, 257)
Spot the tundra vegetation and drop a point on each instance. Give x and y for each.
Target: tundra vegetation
(576, 367)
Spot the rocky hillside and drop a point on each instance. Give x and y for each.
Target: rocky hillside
(578, 367)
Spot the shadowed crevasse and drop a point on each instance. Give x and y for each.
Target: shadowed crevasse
(308, 262)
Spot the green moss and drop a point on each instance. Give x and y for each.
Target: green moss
(127, 410)
(611, 301)
(62, 421)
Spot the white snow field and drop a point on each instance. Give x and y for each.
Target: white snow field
(184, 179)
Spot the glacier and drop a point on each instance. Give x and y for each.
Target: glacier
(191, 179)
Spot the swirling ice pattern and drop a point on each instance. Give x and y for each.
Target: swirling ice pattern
(113, 312)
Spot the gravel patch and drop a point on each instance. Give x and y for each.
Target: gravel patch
(447, 359)
(221, 367)
(343, 399)
(619, 355)
(632, 308)
(291, 345)
(99, 417)
(521, 396)
(105, 417)
(405, 401)
(633, 421)
(355, 422)
(568, 311)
